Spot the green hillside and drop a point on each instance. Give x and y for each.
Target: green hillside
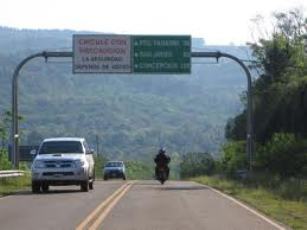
(131, 115)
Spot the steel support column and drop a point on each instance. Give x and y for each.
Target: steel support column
(15, 132)
(249, 128)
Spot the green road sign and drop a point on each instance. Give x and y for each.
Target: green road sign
(161, 54)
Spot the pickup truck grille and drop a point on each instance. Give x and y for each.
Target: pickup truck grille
(58, 173)
(59, 164)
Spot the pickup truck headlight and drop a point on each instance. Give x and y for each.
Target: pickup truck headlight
(79, 163)
(39, 164)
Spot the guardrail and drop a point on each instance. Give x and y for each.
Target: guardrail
(11, 173)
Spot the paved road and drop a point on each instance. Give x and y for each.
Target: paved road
(179, 205)
(62, 208)
(146, 205)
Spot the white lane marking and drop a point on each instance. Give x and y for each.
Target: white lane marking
(278, 226)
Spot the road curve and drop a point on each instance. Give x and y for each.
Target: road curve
(179, 205)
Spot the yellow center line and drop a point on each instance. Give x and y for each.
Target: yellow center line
(90, 218)
(107, 210)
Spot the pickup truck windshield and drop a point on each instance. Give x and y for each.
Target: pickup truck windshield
(61, 147)
(114, 164)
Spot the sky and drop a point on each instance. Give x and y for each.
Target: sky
(217, 21)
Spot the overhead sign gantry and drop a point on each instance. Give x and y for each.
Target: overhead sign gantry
(132, 54)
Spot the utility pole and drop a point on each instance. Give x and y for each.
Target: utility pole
(97, 144)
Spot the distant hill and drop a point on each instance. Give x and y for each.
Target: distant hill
(131, 115)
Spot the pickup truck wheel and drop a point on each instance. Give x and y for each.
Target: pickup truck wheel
(85, 186)
(45, 187)
(36, 187)
(105, 178)
(124, 177)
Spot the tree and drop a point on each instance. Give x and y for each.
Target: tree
(4, 160)
(283, 51)
(279, 92)
(4, 127)
(234, 157)
(284, 155)
(196, 164)
(100, 161)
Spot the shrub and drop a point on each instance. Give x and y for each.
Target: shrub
(100, 161)
(196, 164)
(234, 157)
(137, 170)
(4, 160)
(284, 155)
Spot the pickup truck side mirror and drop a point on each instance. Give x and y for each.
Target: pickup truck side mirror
(33, 152)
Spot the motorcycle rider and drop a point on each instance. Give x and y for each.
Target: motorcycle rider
(162, 160)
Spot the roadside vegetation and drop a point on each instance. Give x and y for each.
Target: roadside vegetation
(5, 164)
(277, 185)
(281, 197)
(100, 161)
(137, 170)
(13, 184)
(286, 202)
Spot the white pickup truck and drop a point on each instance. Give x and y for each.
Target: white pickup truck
(63, 161)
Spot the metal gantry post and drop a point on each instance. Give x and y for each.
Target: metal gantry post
(249, 128)
(15, 132)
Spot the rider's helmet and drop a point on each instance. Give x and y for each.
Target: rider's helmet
(162, 150)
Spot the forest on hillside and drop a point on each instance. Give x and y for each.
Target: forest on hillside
(128, 116)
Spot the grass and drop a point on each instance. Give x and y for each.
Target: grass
(289, 212)
(14, 184)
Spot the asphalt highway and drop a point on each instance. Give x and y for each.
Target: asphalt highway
(133, 205)
(61, 208)
(179, 205)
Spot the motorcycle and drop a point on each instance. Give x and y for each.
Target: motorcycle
(161, 174)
